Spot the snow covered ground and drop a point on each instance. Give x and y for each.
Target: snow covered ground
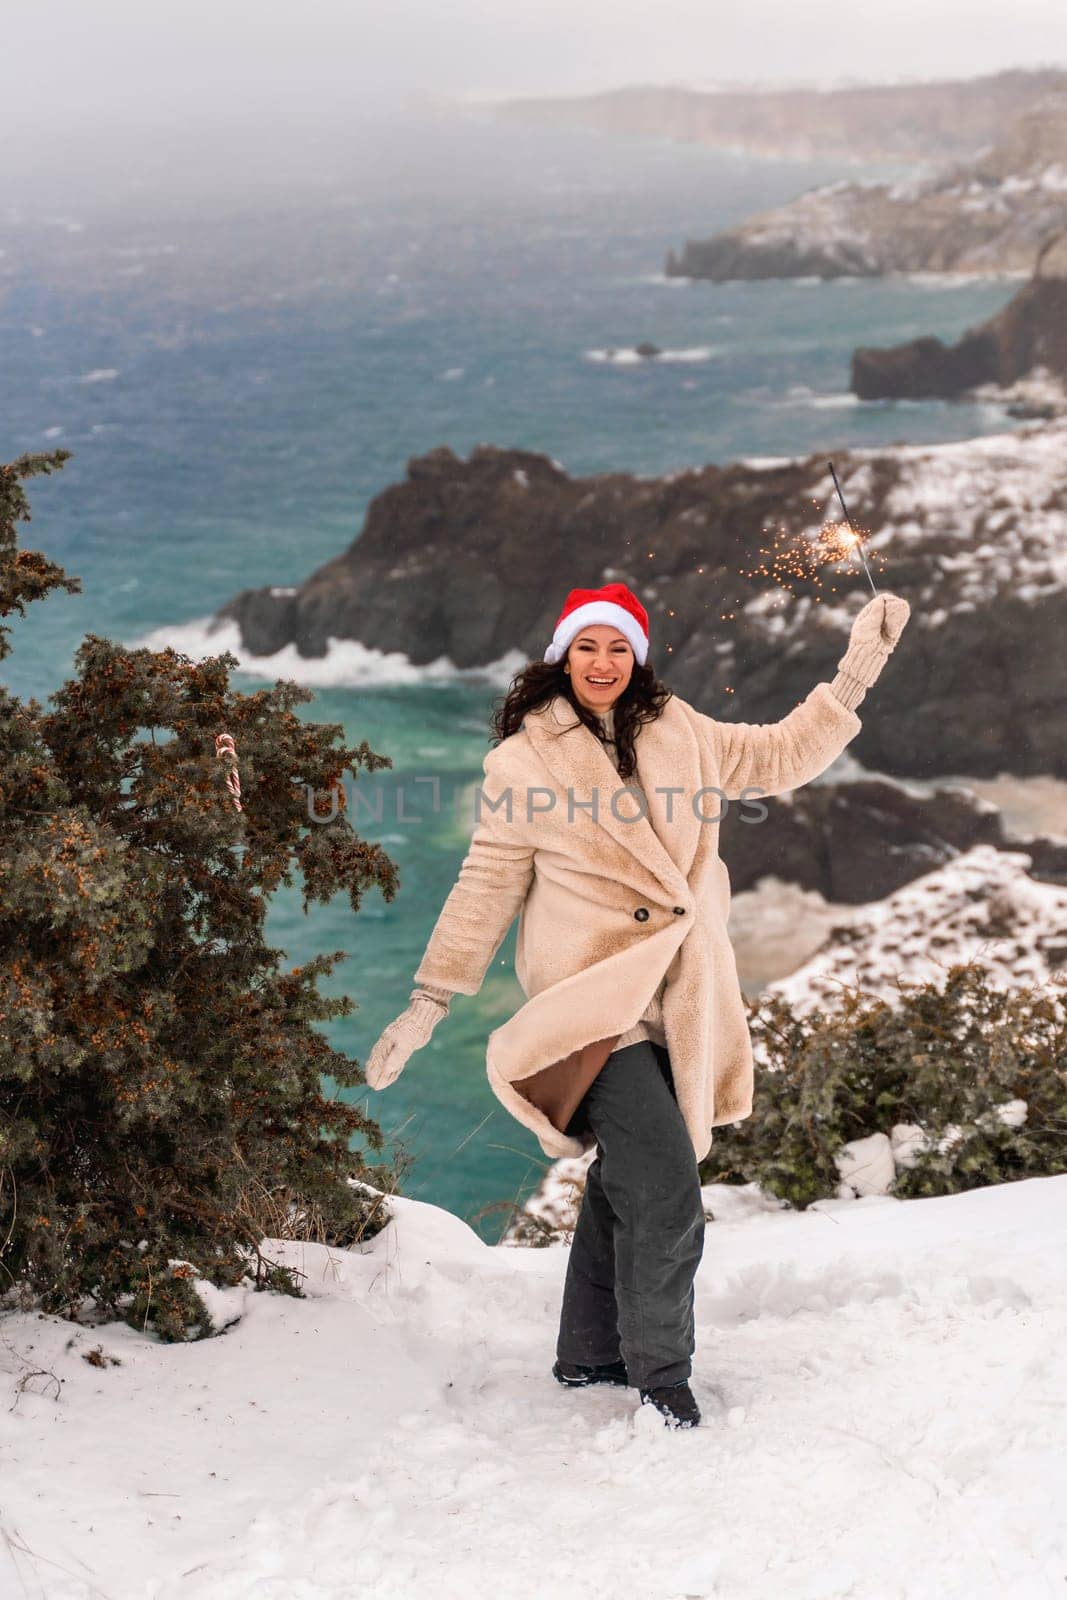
(883, 1382)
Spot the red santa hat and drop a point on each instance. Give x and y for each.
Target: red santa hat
(614, 604)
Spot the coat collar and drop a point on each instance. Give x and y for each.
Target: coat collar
(667, 753)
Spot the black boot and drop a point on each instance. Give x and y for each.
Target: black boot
(573, 1376)
(676, 1402)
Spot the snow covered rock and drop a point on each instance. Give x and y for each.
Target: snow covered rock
(991, 213)
(550, 1213)
(907, 1140)
(983, 905)
(866, 1166)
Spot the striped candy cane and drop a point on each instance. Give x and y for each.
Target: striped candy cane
(225, 751)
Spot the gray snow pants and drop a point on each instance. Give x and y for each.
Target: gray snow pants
(640, 1231)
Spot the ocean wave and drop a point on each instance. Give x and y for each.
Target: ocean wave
(631, 357)
(659, 278)
(96, 375)
(697, 352)
(137, 251)
(798, 394)
(833, 402)
(960, 280)
(346, 664)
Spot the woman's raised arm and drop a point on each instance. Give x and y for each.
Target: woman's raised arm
(771, 757)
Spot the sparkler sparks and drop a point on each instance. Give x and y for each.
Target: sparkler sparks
(804, 558)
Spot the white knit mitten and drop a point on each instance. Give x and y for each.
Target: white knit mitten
(406, 1034)
(874, 636)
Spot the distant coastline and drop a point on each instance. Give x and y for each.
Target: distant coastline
(911, 122)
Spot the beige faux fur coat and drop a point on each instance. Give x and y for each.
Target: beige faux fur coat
(610, 904)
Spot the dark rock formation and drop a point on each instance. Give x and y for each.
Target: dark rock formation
(1029, 334)
(861, 841)
(925, 368)
(887, 122)
(455, 561)
(989, 214)
(471, 560)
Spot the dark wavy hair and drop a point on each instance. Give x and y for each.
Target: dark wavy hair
(538, 682)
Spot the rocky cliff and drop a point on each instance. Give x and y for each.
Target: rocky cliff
(862, 840)
(992, 213)
(470, 559)
(905, 122)
(1026, 342)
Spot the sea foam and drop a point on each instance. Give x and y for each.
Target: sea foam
(346, 664)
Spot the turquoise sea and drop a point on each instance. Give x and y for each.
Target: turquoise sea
(238, 377)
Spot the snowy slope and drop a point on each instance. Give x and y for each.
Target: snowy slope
(883, 1383)
(981, 906)
(991, 510)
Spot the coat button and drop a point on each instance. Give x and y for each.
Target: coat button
(641, 913)
(679, 911)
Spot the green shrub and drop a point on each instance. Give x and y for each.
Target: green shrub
(945, 1057)
(162, 1107)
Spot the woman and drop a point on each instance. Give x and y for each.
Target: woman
(597, 824)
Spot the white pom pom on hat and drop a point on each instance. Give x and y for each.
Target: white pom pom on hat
(613, 604)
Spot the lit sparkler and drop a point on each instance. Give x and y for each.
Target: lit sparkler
(856, 538)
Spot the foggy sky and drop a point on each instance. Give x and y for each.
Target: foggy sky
(86, 63)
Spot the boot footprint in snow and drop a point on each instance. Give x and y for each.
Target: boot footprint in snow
(675, 1402)
(574, 1376)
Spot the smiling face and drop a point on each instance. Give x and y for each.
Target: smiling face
(601, 662)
